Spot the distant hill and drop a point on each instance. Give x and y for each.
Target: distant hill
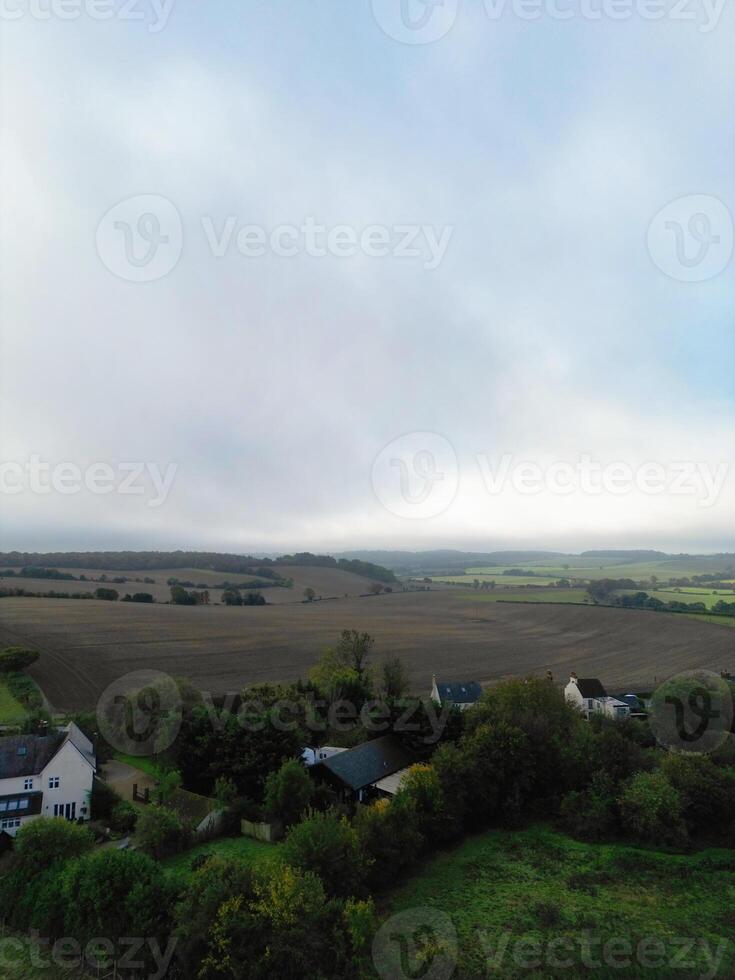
(128, 561)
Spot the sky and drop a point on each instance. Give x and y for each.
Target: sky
(327, 275)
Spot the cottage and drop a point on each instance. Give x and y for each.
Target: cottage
(461, 694)
(49, 775)
(357, 772)
(590, 697)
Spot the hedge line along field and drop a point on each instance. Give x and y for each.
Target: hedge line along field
(85, 645)
(324, 581)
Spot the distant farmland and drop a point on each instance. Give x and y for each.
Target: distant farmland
(86, 645)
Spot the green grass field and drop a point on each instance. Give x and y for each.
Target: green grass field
(707, 596)
(242, 848)
(593, 568)
(501, 887)
(499, 578)
(12, 712)
(716, 620)
(143, 762)
(527, 595)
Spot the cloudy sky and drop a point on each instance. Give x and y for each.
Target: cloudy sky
(330, 275)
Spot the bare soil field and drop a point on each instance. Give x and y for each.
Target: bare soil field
(86, 645)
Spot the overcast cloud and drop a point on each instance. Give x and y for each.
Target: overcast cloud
(543, 326)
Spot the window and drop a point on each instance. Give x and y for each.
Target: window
(22, 750)
(28, 783)
(53, 782)
(12, 805)
(9, 824)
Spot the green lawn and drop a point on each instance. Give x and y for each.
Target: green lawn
(243, 848)
(716, 620)
(145, 763)
(540, 885)
(12, 712)
(528, 595)
(707, 596)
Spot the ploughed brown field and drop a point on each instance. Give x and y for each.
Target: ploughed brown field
(87, 645)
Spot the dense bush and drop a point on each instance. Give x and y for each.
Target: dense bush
(651, 810)
(288, 792)
(160, 832)
(124, 817)
(328, 846)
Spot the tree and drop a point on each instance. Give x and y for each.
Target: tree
(328, 846)
(707, 791)
(651, 810)
(225, 792)
(46, 841)
(422, 794)
(124, 817)
(110, 595)
(389, 839)
(353, 650)
(395, 678)
(160, 832)
(168, 785)
(375, 588)
(309, 594)
(16, 658)
(116, 894)
(288, 792)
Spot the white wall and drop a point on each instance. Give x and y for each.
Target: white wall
(75, 781)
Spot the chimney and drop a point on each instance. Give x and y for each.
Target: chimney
(572, 678)
(549, 676)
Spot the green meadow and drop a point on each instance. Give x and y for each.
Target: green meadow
(537, 885)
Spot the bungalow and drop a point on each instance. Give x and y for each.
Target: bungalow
(357, 772)
(590, 697)
(461, 694)
(48, 774)
(312, 756)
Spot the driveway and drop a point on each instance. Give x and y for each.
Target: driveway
(120, 776)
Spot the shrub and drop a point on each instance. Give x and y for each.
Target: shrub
(103, 801)
(160, 832)
(650, 810)
(16, 658)
(328, 846)
(388, 838)
(288, 792)
(124, 817)
(591, 814)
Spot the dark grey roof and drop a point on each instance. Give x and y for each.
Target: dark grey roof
(590, 687)
(369, 762)
(26, 755)
(466, 692)
(20, 805)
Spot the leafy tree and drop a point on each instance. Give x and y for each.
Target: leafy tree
(288, 792)
(329, 847)
(707, 792)
(389, 839)
(375, 588)
(46, 841)
(160, 832)
(309, 594)
(168, 785)
(591, 814)
(116, 894)
(421, 793)
(225, 792)
(16, 658)
(651, 810)
(395, 682)
(110, 595)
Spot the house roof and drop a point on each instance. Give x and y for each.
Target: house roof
(590, 687)
(458, 692)
(369, 762)
(81, 743)
(27, 755)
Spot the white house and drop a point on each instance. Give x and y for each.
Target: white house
(313, 756)
(46, 775)
(461, 694)
(589, 696)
